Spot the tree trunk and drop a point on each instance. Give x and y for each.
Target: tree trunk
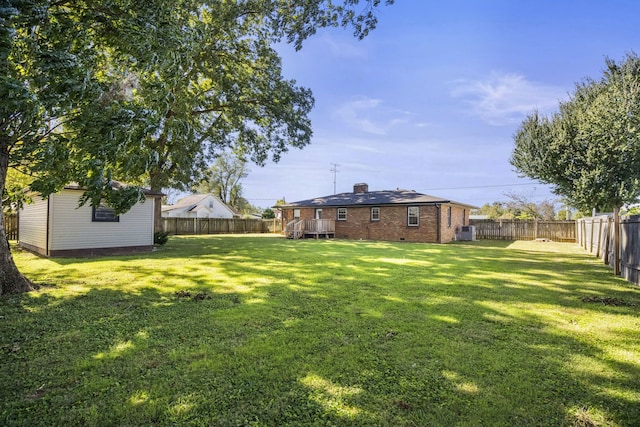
(11, 280)
(158, 223)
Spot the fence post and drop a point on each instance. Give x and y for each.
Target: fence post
(616, 239)
(578, 236)
(592, 236)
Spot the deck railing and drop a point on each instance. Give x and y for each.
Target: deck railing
(319, 226)
(295, 229)
(299, 228)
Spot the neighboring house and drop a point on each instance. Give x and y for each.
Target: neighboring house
(199, 206)
(58, 226)
(379, 215)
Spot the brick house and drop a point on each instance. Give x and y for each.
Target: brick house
(377, 215)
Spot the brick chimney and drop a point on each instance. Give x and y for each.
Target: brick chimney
(360, 188)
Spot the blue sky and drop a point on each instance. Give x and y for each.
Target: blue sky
(431, 99)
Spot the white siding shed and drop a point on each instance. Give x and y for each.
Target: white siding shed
(57, 226)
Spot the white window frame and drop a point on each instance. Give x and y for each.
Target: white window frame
(413, 213)
(342, 214)
(296, 214)
(375, 213)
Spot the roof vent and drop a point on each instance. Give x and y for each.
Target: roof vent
(360, 188)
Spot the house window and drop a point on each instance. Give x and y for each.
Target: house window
(449, 216)
(413, 215)
(342, 214)
(375, 214)
(103, 213)
(464, 214)
(296, 214)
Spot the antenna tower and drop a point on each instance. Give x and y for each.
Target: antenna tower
(335, 170)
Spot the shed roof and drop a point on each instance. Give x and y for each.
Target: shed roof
(115, 185)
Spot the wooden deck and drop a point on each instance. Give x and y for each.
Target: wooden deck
(305, 228)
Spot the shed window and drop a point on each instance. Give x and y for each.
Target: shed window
(103, 213)
(342, 214)
(413, 215)
(375, 214)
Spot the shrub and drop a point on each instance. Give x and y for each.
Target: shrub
(268, 214)
(160, 237)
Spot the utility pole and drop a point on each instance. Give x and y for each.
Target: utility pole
(334, 169)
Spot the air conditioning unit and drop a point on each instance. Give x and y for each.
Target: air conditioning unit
(467, 232)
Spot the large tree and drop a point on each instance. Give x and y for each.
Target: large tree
(223, 178)
(589, 151)
(41, 78)
(519, 206)
(147, 91)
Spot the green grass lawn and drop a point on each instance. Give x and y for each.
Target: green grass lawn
(260, 330)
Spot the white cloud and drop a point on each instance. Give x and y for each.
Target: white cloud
(370, 116)
(505, 99)
(345, 49)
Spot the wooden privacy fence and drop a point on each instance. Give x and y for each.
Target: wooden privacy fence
(508, 229)
(11, 225)
(179, 226)
(596, 235)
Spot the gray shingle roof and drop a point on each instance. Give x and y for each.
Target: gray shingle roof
(189, 202)
(385, 197)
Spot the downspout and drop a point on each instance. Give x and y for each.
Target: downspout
(438, 217)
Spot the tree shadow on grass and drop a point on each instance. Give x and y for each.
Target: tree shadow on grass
(352, 334)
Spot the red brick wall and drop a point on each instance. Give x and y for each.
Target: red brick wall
(448, 233)
(392, 225)
(305, 213)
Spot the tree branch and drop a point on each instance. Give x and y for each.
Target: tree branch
(222, 107)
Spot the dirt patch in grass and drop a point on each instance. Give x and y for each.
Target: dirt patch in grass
(200, 296)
